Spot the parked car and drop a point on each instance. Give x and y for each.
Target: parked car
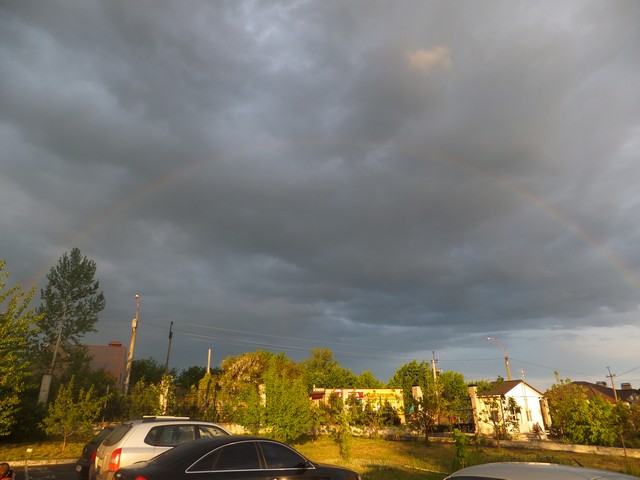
(534, 471)
(236, 457)
(84, 465)
(145, 438)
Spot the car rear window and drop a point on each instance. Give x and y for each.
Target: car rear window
(104, 433)
(280, 456)
(115, 436)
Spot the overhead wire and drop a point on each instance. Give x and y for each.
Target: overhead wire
(340, 353)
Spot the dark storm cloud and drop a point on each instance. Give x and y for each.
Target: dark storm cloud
(383, 180)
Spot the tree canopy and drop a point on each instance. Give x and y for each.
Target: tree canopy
(579, 419)
(70, 305)
(323, 371)
(72, 412)
(17, 329)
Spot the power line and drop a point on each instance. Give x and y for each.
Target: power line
(277, 336)
(375, 356)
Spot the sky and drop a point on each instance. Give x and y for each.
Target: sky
(393, 181)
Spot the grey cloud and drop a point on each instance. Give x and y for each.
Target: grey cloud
(398, 179)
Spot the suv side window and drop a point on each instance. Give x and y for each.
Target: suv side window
(169, 435)
(206, 431)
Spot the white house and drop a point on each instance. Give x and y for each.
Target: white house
(493, 404)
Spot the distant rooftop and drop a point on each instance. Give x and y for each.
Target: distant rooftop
(110, 358)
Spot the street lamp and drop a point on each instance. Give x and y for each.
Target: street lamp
(506, 356)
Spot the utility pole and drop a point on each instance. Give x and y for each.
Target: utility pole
(134, 331)
(45, 386)
(166, 365)
(434, 362)
(506, 356)
(63, 319)
(613, 387)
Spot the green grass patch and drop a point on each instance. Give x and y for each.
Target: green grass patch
(378, 459)
(49, 450)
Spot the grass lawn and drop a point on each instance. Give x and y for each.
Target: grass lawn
(377, 459)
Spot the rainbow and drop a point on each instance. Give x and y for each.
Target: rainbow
(505, 184)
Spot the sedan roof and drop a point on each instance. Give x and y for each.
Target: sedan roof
(191, 451)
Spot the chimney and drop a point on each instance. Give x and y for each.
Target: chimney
(626, 386)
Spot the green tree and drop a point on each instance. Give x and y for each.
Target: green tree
(426, 410)
(323, 371)
(190, 376)
(354, 407)
(72, 301)
(568, 406)
(241, 388)
(407, 376)
(287, 407)
(628, 418)
(343, 437)
(17, 331)
(446, 396)
(455, 393)
(367, 380)
(581, 420)
(460, 440)
(167, 395)
(337, 421)
(249, 410)
(206, 401)
(602, 426)
(72, 413)
(144, 399)
(148, 369)
(388, 416)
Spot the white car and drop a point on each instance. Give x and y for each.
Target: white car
(534, 471)
(142, 439)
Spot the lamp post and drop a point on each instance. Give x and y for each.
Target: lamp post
(134, 331)
(506, 356)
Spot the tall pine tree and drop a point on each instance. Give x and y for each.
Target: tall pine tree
(71, 303)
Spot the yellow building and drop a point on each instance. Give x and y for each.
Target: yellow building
(377, 397)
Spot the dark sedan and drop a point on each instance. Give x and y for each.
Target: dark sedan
(232, 457)
(84, 465)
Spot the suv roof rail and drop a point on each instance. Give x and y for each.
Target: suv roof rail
(157, 418)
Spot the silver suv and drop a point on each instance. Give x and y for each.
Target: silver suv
(145, 438)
